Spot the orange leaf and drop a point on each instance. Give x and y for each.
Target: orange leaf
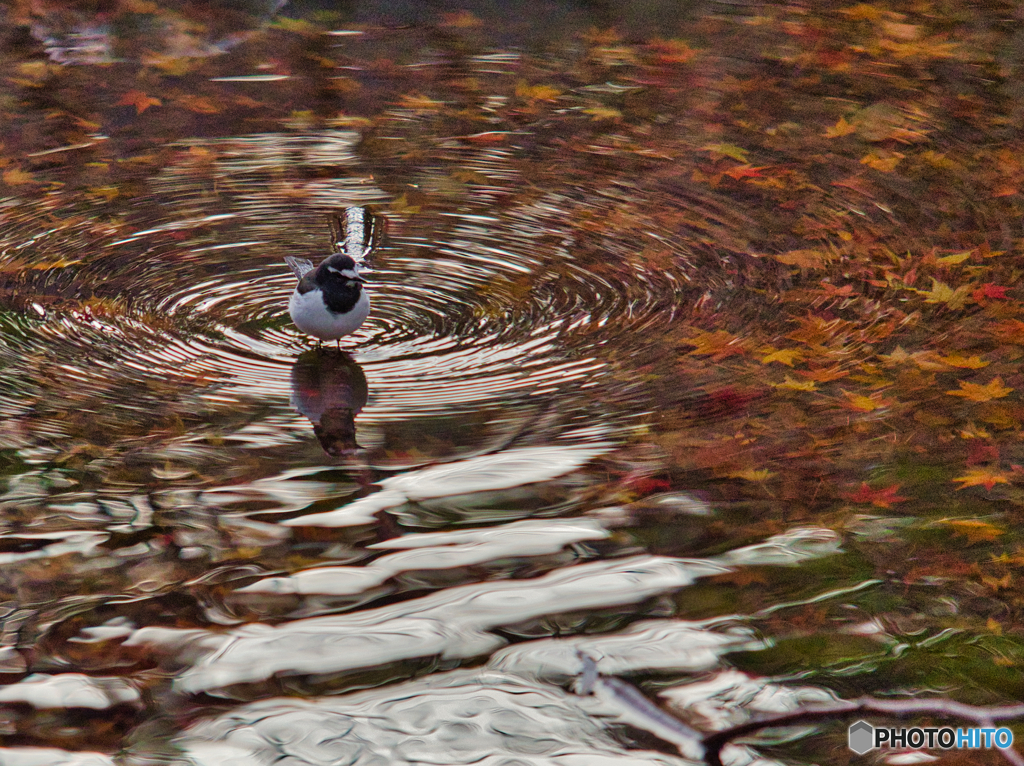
(994, 389)
(805, 259)
(1009, 331)
(16, 176)
(825, 374)
(419, 102)
(198, 104)
(672, 51)
(745, 171)
(139, 100)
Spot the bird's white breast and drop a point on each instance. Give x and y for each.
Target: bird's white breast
(311, 315)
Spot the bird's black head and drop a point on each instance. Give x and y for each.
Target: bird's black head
(338, 278)
(340, 272)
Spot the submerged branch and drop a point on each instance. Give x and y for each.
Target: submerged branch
(650, 716)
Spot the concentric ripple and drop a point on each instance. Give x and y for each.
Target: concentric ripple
(181, 297)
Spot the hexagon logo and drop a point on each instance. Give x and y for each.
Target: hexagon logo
(861, 737)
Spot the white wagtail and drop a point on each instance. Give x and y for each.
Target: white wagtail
(330, 302)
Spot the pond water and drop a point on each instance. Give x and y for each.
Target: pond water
(694, 355)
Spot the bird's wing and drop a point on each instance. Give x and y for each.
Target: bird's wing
(299, 266)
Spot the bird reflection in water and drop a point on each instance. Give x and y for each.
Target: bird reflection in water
(329, 388)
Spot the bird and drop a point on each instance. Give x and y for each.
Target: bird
(330, 300)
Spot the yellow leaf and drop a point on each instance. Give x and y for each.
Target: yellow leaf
(841, 128)
(884, 163)
(861, 403)
(899, 355)
(797, 385)
(716, 343)
(955, 258)
(401, 206)
(975, 530)
(298, 26)
(862, 12)
(106, 192)
(994, 627)
(537, 92)
(926, 360)
(603, 113)
(751, 474)
(966, 362)
(975, 392)
(727, 150)
(981, 477)
(943, 293)
(972, 431)
(784, 356)
(175, 66)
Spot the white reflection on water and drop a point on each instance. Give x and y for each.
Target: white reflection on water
(448, 551)
(462, 717)
(69, 690)
(455, 623)
(504, 470)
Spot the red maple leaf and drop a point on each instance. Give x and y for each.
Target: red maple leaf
(981, 452)
(881, 498)
(990, 291)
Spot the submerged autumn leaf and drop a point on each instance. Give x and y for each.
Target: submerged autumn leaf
(955, 298)
(966, 362)
(975, 530)
(976, 392)
(141, 101)
(883, 497)
(982, 477)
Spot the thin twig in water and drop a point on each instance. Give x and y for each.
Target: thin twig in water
(940, 708)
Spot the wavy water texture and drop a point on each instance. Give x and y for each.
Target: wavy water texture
(161, 412)
(186, 311)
